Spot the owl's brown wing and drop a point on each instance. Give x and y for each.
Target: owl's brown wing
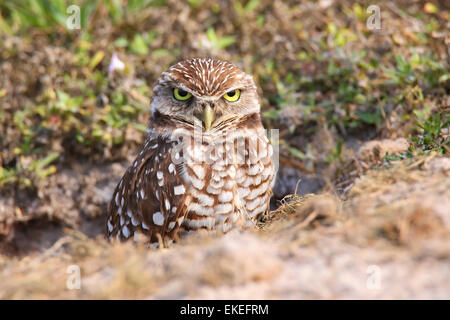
(151, 197)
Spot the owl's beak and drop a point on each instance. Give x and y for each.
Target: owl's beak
(208, 117)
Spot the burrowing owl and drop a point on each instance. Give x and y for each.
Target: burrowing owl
(206, 162)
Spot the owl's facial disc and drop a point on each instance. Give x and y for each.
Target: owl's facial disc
(205, 92)
(208, 112)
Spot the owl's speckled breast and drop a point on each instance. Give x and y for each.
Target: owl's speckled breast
(229, 178)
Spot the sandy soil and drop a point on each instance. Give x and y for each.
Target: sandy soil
(387, 237)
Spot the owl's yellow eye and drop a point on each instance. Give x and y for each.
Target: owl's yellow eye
(232, 95)
(181, 95)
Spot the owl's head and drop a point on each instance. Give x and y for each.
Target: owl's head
(204, 92)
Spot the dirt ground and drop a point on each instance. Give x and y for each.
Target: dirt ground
(388, 237)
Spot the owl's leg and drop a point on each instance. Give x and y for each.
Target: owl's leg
(161, 241)
(176, 236)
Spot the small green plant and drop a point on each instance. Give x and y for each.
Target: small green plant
(25, 174)
(7, 175)
(434, 134)
(140, 43)
(42, 168)
(41, 14)
(242, 9)
(433, 137)
(392, 157)
(219, 42)
(370, 117)
(196, 3)
(403, 73)
(296, 153)
(336, 153)
(66, 104)
(341, 36)
(419, 68)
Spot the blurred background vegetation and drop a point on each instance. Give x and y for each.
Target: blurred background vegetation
(71, 98)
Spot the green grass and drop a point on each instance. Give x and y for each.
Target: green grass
(431, 134)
